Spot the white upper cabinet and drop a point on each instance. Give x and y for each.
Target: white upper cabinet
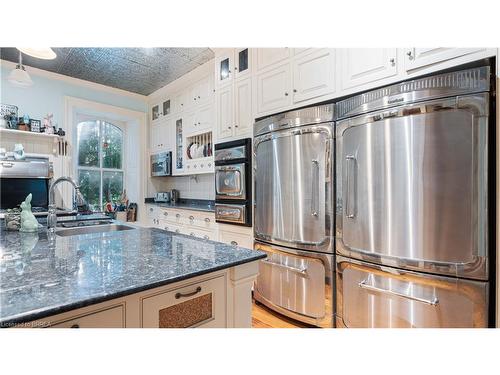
(204, 118)
(182, 100)
(224, 68)
(313, 75)
(243, 120)
(270, 56)
(224, 112)
(154, 137)
(201, 92)
(419, 57)
(274, 89)
(360, 66)
(162, 135)
(242, 62)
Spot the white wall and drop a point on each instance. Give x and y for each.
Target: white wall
(204, 188)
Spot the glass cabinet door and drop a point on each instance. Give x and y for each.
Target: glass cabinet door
(225, 65)
(224, 69)
(242, 58)
(155, 112)
(178, 146)
(166, 107)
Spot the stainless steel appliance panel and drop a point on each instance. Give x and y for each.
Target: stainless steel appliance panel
(30, 167)
(293, 187)
(412, 191)
(230, 181)
(373, 296)
(228, 154)
(231, 213)
(296, 283)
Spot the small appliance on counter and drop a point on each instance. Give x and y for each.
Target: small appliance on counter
(233, 182)
(163, 197)
(161, 164)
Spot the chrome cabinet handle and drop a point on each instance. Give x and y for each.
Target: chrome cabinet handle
(286, 94)
(191, 218)
(177, 231)
(315, 187)
(191, 234)
(165, 214)
(7, 164)
(207, 220)
(301, 271)
(234, 243)
(177, 215)
(205, 237)
(183, 295)
(351, 182)
(363, 284)
(166, 228)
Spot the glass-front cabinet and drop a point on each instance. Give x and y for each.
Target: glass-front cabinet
(233, 64)
(161, 109)
(179, 166)
(242, 61)
(155, 112)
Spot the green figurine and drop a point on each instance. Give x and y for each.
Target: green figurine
(28, 220)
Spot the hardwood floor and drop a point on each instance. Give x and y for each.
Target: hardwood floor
(262, 317)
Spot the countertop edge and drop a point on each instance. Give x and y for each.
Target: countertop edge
(32, 316)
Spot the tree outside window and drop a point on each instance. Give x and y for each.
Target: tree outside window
(100, 162)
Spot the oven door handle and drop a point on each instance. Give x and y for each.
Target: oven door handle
(300, 271)
(364, 285)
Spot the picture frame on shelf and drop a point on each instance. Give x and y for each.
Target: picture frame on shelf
(36, 126)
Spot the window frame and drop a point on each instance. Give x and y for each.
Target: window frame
(102, 119)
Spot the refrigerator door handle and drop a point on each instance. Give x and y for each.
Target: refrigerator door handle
(350, 207)
(364, 285)
(315, 188)
(299, 271)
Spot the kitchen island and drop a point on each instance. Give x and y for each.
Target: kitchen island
(139, 277)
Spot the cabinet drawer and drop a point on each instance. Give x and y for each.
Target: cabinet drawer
(109, 318)
(152, 211)
(173, 216)
(202, 220)
(200, 233)
(236, 239)
(371, 296)
(200, 304)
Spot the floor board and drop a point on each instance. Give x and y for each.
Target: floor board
(263, 317)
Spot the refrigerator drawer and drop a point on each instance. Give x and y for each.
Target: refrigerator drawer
(296, 284)
(373, 296)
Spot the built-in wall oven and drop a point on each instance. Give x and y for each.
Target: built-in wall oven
(294, 214)
(161, 164)
(233, 182)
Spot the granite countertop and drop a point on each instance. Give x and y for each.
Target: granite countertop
(43, 274)
(186, 204)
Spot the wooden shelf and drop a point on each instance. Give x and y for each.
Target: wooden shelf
(28, 133)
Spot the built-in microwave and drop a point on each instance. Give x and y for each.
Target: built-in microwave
(161, 164)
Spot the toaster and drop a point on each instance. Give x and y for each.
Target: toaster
(162, 197)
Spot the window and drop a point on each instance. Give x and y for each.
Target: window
(99, 162)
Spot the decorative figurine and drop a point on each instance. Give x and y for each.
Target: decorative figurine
(28, 220)
(47, 124)
(18, 151)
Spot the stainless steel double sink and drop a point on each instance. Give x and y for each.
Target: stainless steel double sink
(100, 226)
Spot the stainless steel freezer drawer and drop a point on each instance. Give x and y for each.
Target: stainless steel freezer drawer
(374, 296)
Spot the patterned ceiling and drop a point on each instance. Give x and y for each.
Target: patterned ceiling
(139, 70)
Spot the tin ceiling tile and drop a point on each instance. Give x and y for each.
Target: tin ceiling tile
(139, 70)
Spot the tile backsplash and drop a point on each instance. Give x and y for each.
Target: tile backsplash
(203, 188)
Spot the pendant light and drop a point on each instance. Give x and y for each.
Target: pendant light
(45, 53)
(19, 76)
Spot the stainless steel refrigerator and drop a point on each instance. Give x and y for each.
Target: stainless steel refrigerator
(294, 215)
(413, 222)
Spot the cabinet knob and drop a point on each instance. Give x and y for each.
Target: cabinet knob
(191, 234)
(294, 90)
(234, 243)
(194, 98)
(177, 215)
(199, 97)
(166, 228)
(207, 220)
(392, 61)
(151, 209)
(410, 55)
(235, 68)
(229, 127)
(205, 237)
(165, 213)
(191, 218)
(177, 231)
(235, 126)
(286, 94)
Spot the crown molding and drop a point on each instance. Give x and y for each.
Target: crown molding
(75, 81)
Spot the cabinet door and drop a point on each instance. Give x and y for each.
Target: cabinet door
(155, 112)
(181, 100)
(242, 62)
(201, 304)
(225, 112)
(204, 118)
(224, 68)
(189, 123)
(364, 65)
(165, 135)
(177, 164)
(269, 56)
(155, 142)
(204, 90)
(313, 75)
(419, 57)
(166, 107)
(243, 106)
(273, 89)
(236, 239)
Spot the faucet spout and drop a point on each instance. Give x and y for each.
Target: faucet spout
(80, 201)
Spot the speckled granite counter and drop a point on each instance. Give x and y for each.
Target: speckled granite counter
(42, 276)
(186, 204)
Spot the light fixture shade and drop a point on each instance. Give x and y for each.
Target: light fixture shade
(20, 77)
(45, 53)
